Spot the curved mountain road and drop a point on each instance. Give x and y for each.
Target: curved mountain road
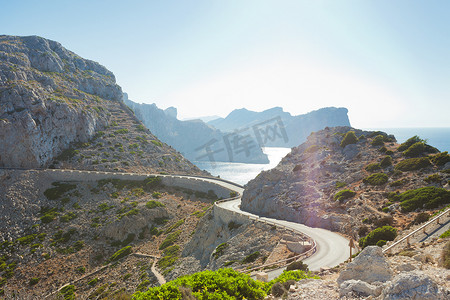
(332, 248)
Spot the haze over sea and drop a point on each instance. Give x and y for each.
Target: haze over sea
(242, 173)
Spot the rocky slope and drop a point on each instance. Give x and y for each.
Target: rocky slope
(304, 187)
(277, 128)
(193, 138)
(60, 110)
(49, 97)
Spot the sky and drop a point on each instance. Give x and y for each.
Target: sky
(387, 61)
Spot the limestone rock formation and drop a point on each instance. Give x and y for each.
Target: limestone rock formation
(412, 285)
(49, 97)
(369, 266)
(278, 128)
(197, 140)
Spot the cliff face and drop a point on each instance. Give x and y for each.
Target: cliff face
(49, 97)
(278, 128)
(303, 187)
(193, 138)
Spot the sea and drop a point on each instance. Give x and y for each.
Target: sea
(242, 173)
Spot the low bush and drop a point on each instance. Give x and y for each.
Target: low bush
(427, 197)
(386, 233)
(343, 195)
(413, 164)
(446, 234)
(440, 159)
(386, 161)
(378, 140)
(34, 280)
(373, 167)
(68, 292)
(399, 182)
(220, 284)
(297, 265)
(251, 257)
(349, 138)
(435, 178)
(376, 179)
(287, 276)
(415, 150)
(409, 142)
(58, 190)
(153, 204)
(170, 240)
(420, 218)
(220, 250)
(120, 253)
(156, 195)
(340, 184)
(174, 226)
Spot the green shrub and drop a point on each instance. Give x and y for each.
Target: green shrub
(343, 195)
(386, 233)
(386, 161)
(415, 150)
(381, 243)
(378, 140)
(68, 292)
(58, 190)
(67, 154)
(435, 178)
(349, 138)
(80, 270)
(399, 182)
(34, 280)
(251, 257)
(373, 167)
(68, 217)
(170, 240)
(383, 149)
(297, 265)
(420, 218)
(26, 240)
(93, 282)
(121, 131)
(220, 250)
(289, 275)
(120, 253)
(340, 184)
(440, 159)
(220, 284)
(174, 226)
(153, 204)
(427, 197)
(446, 234)
(409, 142)
(156, 143)
(156, 195)
(376, 179)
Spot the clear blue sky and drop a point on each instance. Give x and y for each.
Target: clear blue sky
(387, 61)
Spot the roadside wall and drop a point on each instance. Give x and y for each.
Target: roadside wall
(169, 180)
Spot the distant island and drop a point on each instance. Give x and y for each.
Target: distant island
(195, 139)
(240, 136)
(277, 128)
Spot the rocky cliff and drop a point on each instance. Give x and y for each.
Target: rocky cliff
(345, 187)
(49, 97)
(195, 139)
(59, 110)
(277, 128)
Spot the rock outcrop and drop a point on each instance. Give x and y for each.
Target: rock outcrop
(412, 285)
(277, 128)
(305, 185)
(369, 266)
(196, 140)
(49, 98)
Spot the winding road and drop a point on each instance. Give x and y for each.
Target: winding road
(331, 248)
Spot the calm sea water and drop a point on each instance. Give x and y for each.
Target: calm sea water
(242, 173)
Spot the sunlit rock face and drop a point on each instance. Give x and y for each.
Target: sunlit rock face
(49, 98)
(302, 187)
